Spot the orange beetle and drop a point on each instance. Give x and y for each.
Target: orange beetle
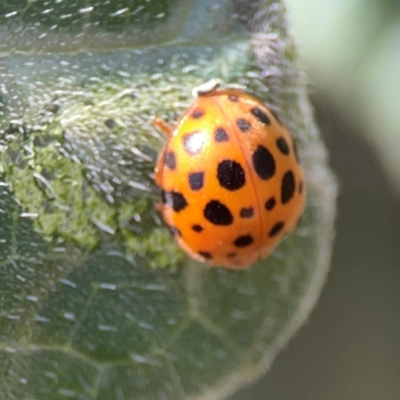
(232, 185)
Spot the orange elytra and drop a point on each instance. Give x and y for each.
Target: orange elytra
(232, 184)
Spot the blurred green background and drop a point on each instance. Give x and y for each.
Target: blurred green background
(350, 348)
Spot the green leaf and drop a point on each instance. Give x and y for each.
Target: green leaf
(97, 302)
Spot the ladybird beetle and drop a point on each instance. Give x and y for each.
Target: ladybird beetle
(231, 182)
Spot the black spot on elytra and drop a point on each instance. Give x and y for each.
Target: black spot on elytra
(197, 228)
(246, 212)
(233, 98)
(218, 213)
(196, 180)
(243, 124)
(205, 254)
(170, 160)
(276, 229)
(198, 113)
(260, 115)
(220, 135)
(163, 196)
(270, 203)
(243, 241)
(287, 187)
(175, 200)
(276, 116)
(264, 163)
(283, 146)
(230, 175)
(193, 142)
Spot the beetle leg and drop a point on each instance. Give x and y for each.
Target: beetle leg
(162, 125)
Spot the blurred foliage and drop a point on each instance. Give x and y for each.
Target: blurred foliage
(352, 48)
